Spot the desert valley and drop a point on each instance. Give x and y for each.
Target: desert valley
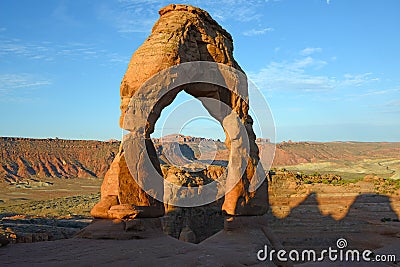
(335, 189)
(170, 192)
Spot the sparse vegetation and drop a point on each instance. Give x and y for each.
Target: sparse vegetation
(387, 186)
(59, 207)
(316, 177)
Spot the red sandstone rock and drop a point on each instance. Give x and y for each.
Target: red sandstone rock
(184, 34)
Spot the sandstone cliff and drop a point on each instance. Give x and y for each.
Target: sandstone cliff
(24, 158)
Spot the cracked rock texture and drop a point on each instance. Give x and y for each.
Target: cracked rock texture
(182, 34)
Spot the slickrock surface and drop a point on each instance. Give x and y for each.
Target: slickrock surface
(157, 251)
(316, 215)
(298, 218)
(304, 228)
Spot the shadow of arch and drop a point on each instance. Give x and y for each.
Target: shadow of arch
(370, 223)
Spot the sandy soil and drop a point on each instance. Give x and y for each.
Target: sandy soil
(302, 216)
(306, 216)
(48, 188)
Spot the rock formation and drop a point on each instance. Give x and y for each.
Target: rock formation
(3, 241)
(182, 34)
(25, 159)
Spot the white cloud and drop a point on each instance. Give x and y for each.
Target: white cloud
(358, 79)
(310, 50)
(300, 75)
(129, 16)
(138, 16)
(379, 92)
(17, 84)
(308, 62)
(48, 51)
(292, 76)
(238, 10)
(328, 1)
(391, 107)
(254, 32)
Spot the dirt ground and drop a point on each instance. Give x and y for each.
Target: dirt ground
(302, 216)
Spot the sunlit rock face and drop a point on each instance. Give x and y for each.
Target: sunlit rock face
(182, 34)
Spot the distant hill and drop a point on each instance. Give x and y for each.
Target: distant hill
(291, 153)
(24, 158)
(181, 150)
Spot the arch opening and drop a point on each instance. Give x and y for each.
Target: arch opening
(188, 137)
(222, 91)
(190, 159)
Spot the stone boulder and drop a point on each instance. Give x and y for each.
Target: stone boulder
(3, 240)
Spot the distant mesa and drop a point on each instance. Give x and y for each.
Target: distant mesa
(28, 158)
(112, 141)
(24, 159)
(263, 140)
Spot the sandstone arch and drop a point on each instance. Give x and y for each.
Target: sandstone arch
(183, 34)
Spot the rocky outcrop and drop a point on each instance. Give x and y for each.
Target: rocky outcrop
(183, 34)
(187, 235)
(24, 158)
(292, 153)
(3, 240)
(30, 229)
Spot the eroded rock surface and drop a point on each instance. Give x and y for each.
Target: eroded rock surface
(182, 34)
(26, 160)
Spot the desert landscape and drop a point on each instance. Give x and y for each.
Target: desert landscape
(336, 189)
(174, 190)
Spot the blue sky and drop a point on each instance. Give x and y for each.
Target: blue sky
(328, 69)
